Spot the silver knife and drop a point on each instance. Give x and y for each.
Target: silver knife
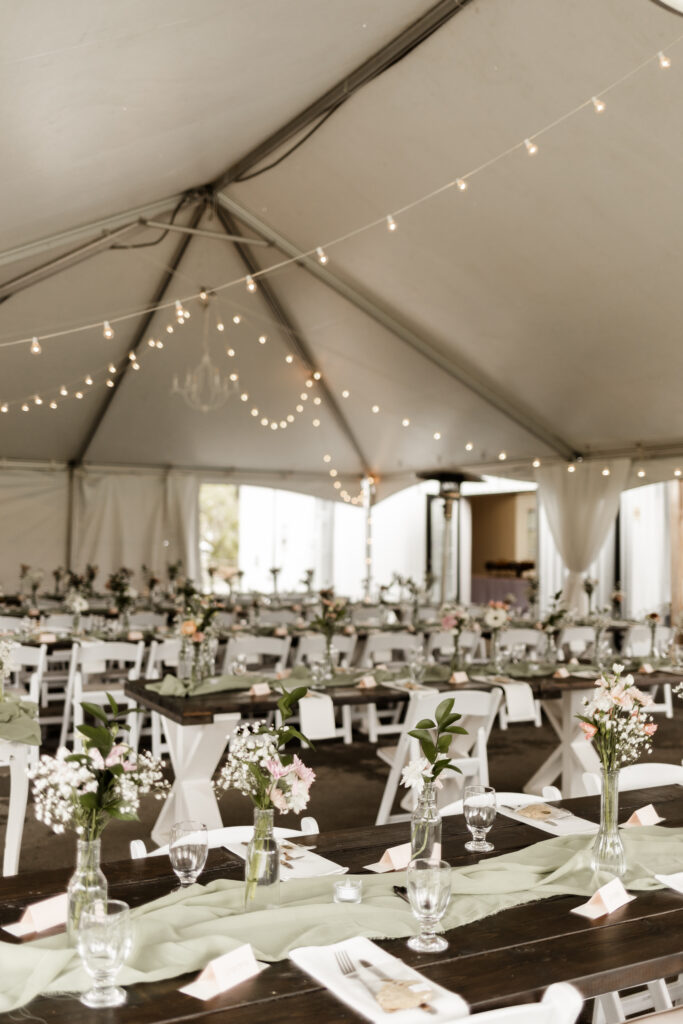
(379, 973)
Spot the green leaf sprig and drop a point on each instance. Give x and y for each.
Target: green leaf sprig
(435, 737)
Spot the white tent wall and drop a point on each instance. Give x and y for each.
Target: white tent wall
(645, 549)
(349, 549)
(33, 521)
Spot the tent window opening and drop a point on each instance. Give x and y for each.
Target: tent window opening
(218, 535)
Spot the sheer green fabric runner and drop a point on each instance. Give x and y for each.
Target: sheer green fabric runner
(19, 721)
(202, 922)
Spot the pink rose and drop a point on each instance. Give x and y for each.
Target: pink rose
(650, 729)
(589, 730)
(449, 621)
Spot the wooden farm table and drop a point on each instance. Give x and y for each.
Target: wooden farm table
(509, 957)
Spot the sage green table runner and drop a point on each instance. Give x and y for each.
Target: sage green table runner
(183, 931)
(171, 686)
(19, 721)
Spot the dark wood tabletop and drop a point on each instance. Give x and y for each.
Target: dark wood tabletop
(506, 958)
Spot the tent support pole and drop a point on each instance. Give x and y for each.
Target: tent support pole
(124, 364)
(70, 517)
(368, 499)
(293, 335)
(392, 323)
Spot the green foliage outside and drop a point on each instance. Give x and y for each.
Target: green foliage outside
(218, 529)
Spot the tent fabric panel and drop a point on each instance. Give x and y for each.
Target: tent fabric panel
(33, 522)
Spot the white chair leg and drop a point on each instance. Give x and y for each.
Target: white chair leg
(18, 799)
(78, 720)
(608, 1009)
(668, 702)
(372, 722)
(659, 993)
(135, 725)
(502, 718)
(538, 721)
(346, 724)
(66, 719)
(156, 734)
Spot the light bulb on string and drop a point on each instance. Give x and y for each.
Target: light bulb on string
(254, 411)
(230, 352)
(79, 394)
(598, 104)
(135, 365)
(273, 426)
(63, 391)
(317, 375)
(531, 147)
(320, 253)
(664, 61)
(263, 338)
(110, 383)
(203, 295)
(169, 328)
(391, 223)
(4, 407)
(333, 472)
(37, 400)
(641, 473)
(152, 343)
(678, 472)
(237, 319)
(299, 408)
(53, 405)
(131, 356)
(111, 368)
(309, 383)
(337, 484)
(159, 344)
(536, 463)
(234, 377)
(264, 421)
(571, 468)
(436, 435)
(317, 400)
(345, 393)
(316, 423)
(375, 409)
(88, 380)
(36, 347)
(327, 458)
(405, 422)
(107, 330)
(250, 283)
(283, 424)
(180, 313)
(469, 446)
(244, 397)
(289, 359)
(502, 456)
(606, 471)
(220, 326)
(461, 184)
(303, 396)
(24, 407)
(290, 418)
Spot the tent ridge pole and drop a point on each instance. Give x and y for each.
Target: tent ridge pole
(392, 323)
(283, 319)
(124, 364)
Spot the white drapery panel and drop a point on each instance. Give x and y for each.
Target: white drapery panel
(645, 550)
(465, 566)
(181, 527)
(581, 506)
(33, 521)
(118, 520)
(551, 568)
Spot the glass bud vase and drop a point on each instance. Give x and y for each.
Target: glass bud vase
(458, 658)
(425, 826)
(608, 855)
(87, 886)
(496, 651)
(262, 865)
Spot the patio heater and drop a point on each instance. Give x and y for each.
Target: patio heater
(449, 481)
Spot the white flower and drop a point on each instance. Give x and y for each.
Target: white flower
(495, 618)
(413, 775)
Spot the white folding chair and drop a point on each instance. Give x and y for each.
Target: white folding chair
(58, 623)
(440, 645)
(509, 638)
(638, 640)
(369, 616)
(512, 800)
(478, 709)
(561, 1004)
(383, 648)
(312, 648)
(17, 757)
(147, 620)
(639, 776)
(224, 619)
(163, 654)
(232, 834)
(27, 665)
(576, 639)
(11, 624)
(254, 649)
(278, 617)
(97, 669)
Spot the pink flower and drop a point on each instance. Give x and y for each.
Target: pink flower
(278, 798)
(303, 772)
(645, 699)
(622, 697)
(449, 621)
(589, 730)
(276, 768)
(650, 729)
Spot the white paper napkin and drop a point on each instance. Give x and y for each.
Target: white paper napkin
(643, 816)
(296, 861)
(316, 713)
(605, 900)
(568, 825)
(672, 881)
(224, 972)
(396, 858)
(321, 964)
(40, 916)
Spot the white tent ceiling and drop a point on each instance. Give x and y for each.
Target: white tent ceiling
(551, 286)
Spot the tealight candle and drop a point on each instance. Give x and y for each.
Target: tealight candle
(348, 890)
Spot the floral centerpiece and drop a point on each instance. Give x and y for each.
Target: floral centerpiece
(60, 576)
(31, 580)
(334, 611)
(455, 619)
(615, 721)
(617, 599)
(258, 767)
(552, 623)
(422, 776)
(275, 572)
(84, 792)
(533, 588)
(652, 620)
(496, 618)
(600, 621)
(199, 641)
(307, 580)
(589, 585)
(78, 605)
(152, 584)
(123, 594)
(6, 648)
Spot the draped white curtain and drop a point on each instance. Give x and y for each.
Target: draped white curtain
(645, 550)
(33, 521)
(465, 566)
(181, 530)
(551, 568)
(580, 508)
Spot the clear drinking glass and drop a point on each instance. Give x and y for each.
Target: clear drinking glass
(105, 939)
(416, 667)
(188, 849)
(429, 892)
(479, 806)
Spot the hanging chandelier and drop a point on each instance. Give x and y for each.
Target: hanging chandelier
(205, 388)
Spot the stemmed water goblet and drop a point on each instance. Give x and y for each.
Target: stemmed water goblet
(104, 941)
(188, 849)
(429, 892)
(479, 807)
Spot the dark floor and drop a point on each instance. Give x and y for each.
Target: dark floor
(347, 791)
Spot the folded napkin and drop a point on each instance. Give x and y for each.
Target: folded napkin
(224, 972)
(316, 716)
(404, 685)
(519, 699)
(562, 824)
(40, 916)
(643, 816)
(386, 982)
(672, 881)
(394, 859)
(18, 721)
(296, 861)
(605, 900)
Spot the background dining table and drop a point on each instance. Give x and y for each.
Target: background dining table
(505, 958)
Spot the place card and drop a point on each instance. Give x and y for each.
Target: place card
(47, 638)
(646, 669)
(396, 858)
(561, 673)
(284, 673)
(459, 677)
(40, 916)
(643, 816)
(136, 634)
(672, 881)
(224, 972)
(573, 661)
(605, 900)
(280, 631)
(367, 683)
(259, 690)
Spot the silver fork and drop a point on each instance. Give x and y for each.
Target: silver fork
(349, 970)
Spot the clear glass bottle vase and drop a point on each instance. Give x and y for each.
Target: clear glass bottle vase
(262, 864)
(425, 826)
(608, 855)
(87, 886)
